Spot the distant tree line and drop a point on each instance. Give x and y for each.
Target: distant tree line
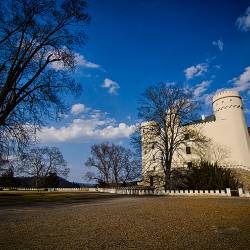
(44, 165)
(8, 179)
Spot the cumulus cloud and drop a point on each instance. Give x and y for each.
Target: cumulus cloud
(86, 130)
(195, 70)
(243, 22)
(80, 61)
(219, 44)
(207, 98)
(242, 82)
(112, 86)
(94, 125)
(77, 108)
(201, 88)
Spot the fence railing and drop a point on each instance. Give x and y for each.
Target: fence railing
(81, 189)
(244, 193)
(139, 190)
(151, 191)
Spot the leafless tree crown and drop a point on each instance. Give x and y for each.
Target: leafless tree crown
(113, 164)
(168, 112)
(35, 37)
(39, 162)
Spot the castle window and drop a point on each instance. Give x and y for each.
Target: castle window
(187, 136)
(153, 157)
(189, 164)
(151, 179)
(153, 146)
(188, 150)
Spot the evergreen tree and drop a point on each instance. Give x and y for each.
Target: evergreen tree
(7, 179)
(210, 176)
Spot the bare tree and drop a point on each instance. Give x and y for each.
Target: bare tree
(213, 153)
(41, 162)
(37, 42)
(100, 161)
(114, 164)
(170, 110)
(124, 166)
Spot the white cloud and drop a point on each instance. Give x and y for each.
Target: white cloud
(242, 82)
(208, 98)
(243, 22)
(169, 84)
(77, 108)
(201, 88)
(112, 86)
(219, 44)
(93, 126)
(196, 70)
(79, 61)
(57, 66)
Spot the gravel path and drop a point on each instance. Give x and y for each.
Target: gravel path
(129, 223)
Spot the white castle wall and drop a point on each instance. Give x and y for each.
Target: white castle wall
(230, 127)
(228, 131)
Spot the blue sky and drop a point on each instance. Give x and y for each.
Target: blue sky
(204, 45)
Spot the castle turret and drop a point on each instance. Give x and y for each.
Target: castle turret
(232, 128)
(150, 134)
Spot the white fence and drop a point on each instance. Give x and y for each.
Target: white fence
(244, 193)
(83, 189)
(135, 191)
(139, 191)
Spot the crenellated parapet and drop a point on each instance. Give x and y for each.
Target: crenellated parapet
(225, 100)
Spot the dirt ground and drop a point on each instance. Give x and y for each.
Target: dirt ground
(109, 222)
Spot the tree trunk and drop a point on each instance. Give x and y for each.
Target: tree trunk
(36, 182)
(167, 176)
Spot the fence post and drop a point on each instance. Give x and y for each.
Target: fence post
(228, 191)
(240, 192)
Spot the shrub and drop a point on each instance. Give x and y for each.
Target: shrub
(205, 176)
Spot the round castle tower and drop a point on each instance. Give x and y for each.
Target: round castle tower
(232, 128)
(149, 131)
(149, 134)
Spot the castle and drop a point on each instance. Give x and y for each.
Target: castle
(226, 129)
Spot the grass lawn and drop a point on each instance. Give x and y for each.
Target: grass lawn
(17, 198)
(105, 221)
